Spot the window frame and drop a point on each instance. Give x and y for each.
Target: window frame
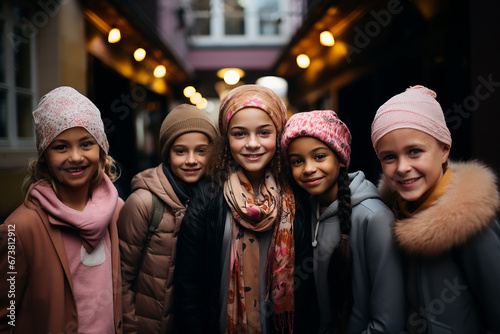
(13, 142)
(217, 36)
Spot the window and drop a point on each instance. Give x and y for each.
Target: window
(241, 22)
(17, 80)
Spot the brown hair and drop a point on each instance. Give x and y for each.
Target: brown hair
(220, 161)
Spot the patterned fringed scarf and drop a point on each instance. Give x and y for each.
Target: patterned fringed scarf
(272, 209)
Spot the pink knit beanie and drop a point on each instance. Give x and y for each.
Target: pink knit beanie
(323, 125)
(416, 108)
(64, 108)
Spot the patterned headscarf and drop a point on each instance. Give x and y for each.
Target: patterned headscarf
(64, 108)
(252, 96)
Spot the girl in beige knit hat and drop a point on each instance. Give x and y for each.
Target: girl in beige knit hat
(148, 260)
(446, 219)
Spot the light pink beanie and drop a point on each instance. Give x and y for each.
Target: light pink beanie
(64, 108)
(323, 125)
(416, 108)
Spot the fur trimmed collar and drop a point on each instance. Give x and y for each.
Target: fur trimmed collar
(470, 203)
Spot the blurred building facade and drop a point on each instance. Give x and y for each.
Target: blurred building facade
(381, 48)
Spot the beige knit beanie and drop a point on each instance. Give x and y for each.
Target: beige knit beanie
(183, 119)
(416, 108)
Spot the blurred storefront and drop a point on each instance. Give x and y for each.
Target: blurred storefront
(382, 47)
(51, 43)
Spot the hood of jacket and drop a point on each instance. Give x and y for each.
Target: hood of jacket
(155, 181)
(469, 204)
(361, 189)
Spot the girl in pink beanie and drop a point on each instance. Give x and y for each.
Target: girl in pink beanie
(446, 218)
(60, 246)
(357, 272)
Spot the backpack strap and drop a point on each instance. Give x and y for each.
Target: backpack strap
(154, 221)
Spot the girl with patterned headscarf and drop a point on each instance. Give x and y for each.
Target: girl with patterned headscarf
(60, 246)
(235, 255)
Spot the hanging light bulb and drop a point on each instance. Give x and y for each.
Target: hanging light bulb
(160, 71)
(189, 91)
(114, 35)
(203, 103)
(231, 77)
(303, 61)
(196, 98)
(139, 54)
(326, 38)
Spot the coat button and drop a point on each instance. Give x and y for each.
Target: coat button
(119, 324)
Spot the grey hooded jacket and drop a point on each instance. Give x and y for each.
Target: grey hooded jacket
(377, 274)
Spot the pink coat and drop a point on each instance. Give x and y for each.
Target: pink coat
(41, 285)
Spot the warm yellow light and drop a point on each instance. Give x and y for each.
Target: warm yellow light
(139, 54)
(160, 71)
(189, 91)
(231, 77)
(114, 35)
(303, 61)
(196, 98)
(203, 103)
(326, 38)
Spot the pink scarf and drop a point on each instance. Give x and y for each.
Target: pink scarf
(92, 223)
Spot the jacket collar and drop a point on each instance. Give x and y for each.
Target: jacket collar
(470, 203)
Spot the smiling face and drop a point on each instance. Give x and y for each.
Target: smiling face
(315, 167)
(412, 163)
(252, 142)
(72, 159)
(188, 156)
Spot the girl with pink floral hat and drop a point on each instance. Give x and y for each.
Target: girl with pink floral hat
(356, 269)
(60, 247)
(235, 252)
(446, 218)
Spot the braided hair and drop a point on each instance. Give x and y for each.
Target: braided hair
(340, 266)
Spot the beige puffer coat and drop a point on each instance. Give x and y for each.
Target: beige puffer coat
(150, 309)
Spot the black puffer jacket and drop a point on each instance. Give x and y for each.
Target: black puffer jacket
(198, 269)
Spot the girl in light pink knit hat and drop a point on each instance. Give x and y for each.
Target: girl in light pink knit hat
(357, 272)
(446, 221)
(62, 252)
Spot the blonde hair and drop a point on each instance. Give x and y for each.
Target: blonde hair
(39, 172)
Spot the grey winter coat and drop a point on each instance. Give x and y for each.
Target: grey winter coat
(377, 274)
(454, 246)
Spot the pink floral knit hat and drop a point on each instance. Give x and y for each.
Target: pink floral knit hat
(416, 108)
(64, 108)
(323, 125)
(252, 96)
